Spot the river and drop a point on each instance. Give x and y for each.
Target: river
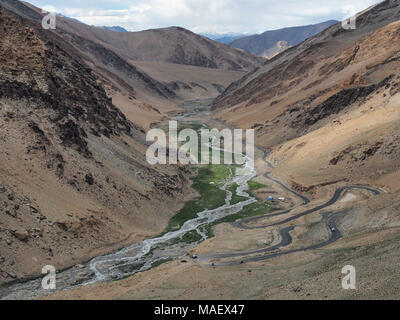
(140, 257)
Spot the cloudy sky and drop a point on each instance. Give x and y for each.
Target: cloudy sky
(205, 16)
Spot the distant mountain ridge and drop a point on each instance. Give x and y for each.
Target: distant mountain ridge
(271, 43)
(170, 45)
(225, 38)
(115, 28)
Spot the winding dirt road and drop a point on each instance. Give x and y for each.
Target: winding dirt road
(331, 219)
(76, 276)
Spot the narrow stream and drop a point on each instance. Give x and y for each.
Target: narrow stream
(141, 256)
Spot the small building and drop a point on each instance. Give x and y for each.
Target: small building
(271, 199)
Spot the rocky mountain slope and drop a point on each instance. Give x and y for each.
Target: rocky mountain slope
(171, 45)
(175, 71)
(271, 43)
(177, 58)
(74, 181)
(328, 108)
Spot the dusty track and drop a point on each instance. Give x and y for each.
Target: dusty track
(286, 239)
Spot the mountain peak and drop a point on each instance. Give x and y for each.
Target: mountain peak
(270, 43)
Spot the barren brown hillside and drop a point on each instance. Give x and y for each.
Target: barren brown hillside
(328, 108)
(149, 74)
(181, 64)
(74, 107)
(324, 192)
(171, 45)
(74, 181)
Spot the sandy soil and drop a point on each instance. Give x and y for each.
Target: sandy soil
(311, 275)
(370, 233)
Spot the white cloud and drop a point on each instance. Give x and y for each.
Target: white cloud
(217, 16)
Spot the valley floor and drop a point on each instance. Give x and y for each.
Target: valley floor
(366, 238)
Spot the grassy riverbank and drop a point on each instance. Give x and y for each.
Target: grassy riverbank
(258, 208)
(235, 197)
(207, 183)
